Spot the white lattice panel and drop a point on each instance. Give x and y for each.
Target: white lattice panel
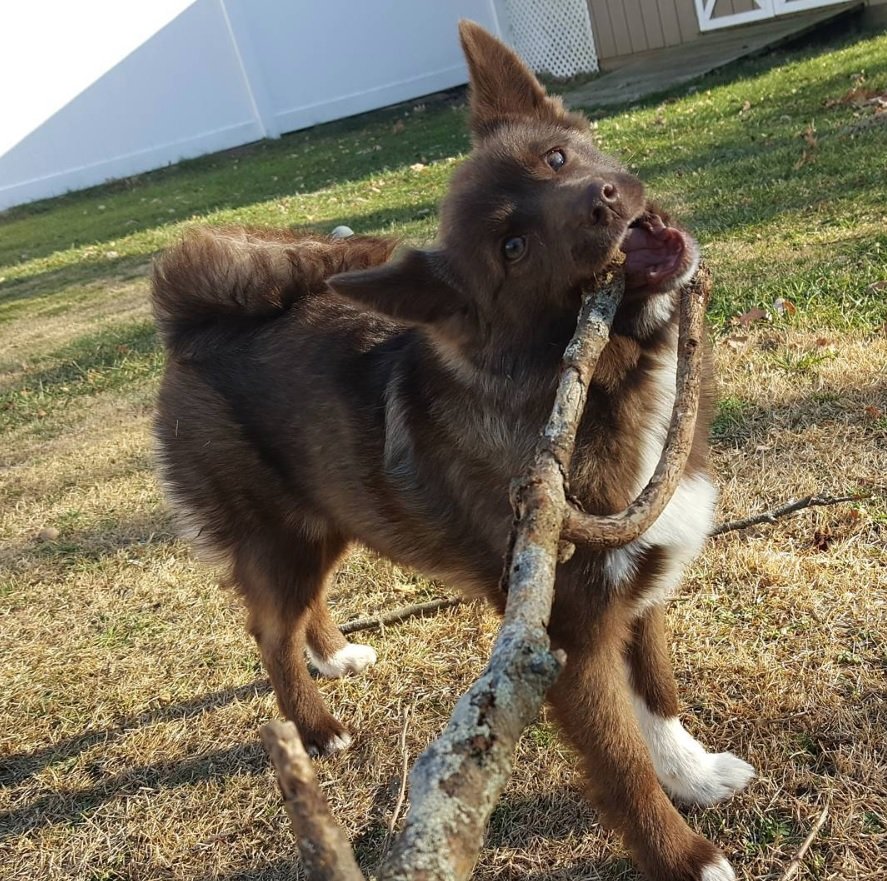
(552, 36)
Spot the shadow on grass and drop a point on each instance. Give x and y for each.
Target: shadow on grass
(740, 421)
(301, 162)
(275, 870)
(131, 267)
(71, 807)
(93, 363)
(16, 768)
(87, 272)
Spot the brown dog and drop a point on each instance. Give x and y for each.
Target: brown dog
(293, 422)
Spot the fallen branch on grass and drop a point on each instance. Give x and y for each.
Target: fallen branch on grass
(784, 510)
(398, 615)
(794, 865)
(456, 782)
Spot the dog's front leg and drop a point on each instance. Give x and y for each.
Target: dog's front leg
(689, 773)
(592, 701)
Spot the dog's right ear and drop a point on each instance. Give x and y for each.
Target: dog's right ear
(502, 87)
(417, 288)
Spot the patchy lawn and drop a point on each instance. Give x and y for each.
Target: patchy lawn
(131, 691)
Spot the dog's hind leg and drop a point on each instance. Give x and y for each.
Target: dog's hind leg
(687, 772)
(592, 702)
(328, 650)
(280, 580)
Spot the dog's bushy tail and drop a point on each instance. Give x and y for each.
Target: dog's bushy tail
(223, 276)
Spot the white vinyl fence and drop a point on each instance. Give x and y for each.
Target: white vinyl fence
(100, 89)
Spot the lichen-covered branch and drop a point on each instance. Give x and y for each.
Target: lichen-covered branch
(456, 782)
(616, 530)
(326, 853)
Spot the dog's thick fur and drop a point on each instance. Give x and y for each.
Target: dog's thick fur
(318, 394)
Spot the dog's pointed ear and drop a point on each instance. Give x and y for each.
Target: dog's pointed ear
(501, 86)
(417, 288)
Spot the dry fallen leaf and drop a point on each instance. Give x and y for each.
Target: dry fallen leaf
(736, 342)
(823, 341)
(753, 314)
(822, 539)
(876, 286)
(809, 136)
(873, 412)
(784, 307)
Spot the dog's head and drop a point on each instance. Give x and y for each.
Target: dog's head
(531, 216)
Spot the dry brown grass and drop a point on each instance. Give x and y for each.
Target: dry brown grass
(132, 693)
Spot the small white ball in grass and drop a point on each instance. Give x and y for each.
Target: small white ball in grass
(341, 232)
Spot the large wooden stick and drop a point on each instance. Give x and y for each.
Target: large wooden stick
(616, 530)
(456, 782)
(326, 853)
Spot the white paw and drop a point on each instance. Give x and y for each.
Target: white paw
(353, 658)
(686, 771)
(708, 778)
(720, 870)
(335, 744)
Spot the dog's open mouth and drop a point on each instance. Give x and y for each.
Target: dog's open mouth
(654, 252)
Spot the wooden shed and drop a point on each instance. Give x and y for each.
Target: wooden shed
(624, 28)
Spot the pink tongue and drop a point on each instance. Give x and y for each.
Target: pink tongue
(651, 256)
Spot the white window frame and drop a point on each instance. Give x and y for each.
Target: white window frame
(705, 10)
(786, 7)
(708, 21)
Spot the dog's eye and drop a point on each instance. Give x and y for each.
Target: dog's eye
(515, 248)
(556, 160)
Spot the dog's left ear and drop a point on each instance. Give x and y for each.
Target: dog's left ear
(417, 288)
(502, 87)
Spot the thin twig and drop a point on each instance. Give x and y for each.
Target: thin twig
(404, 770)
(397, 615)
(617, 530)
(326, 852)
(789, 507)
(794, 865)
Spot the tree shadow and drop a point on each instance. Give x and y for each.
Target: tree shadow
(69, 807)
(301, 162)
(16, 768)
(805, 409)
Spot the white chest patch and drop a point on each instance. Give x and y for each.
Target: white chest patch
(687, 519)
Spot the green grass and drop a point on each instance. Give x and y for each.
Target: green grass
(94, 363)
(725, 157)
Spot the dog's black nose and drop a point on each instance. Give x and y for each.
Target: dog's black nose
(603, 198)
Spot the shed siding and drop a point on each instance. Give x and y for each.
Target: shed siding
(625, 27)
